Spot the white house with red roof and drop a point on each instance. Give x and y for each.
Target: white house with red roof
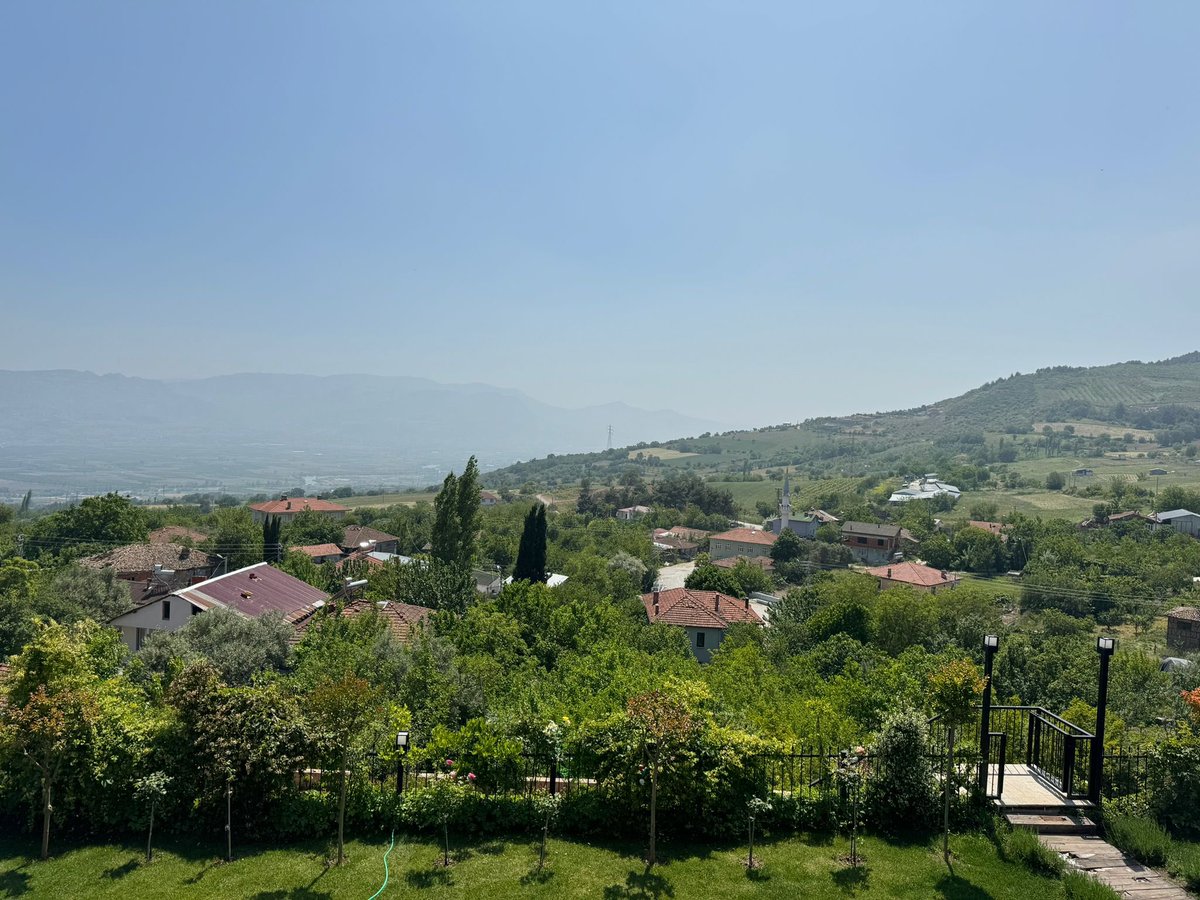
(287, 508)
(703, 615)
(253, 591)
(749, 542)
(915, 575)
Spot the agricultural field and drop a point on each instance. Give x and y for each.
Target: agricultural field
(408, 498)
(805, 493)
(1097, 429)
(1038, 504)
(663, 453)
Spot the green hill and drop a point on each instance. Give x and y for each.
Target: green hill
(1157, 403)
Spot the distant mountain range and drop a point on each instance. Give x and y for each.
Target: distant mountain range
(64, 432)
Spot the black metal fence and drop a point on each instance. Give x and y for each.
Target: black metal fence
(1126, 773)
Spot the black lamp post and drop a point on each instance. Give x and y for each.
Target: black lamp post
(401, 752)
(990, 643)
(1105, 646)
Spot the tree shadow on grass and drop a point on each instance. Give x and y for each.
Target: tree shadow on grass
(300, 893)
(14, 883)
(122, 870)
(423, 879)
(535, 877)
(647, 885)
(955, 887)
(852, 879)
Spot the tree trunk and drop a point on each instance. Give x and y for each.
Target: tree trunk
(150, 836)
(651, 859)
(446, 845)
(946, 802)
(342, 817)
(45, 819)
(750, 862)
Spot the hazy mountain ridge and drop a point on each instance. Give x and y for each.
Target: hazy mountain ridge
(78, 431)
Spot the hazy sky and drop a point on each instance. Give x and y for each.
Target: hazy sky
(752, 212)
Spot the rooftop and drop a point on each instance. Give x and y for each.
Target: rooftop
(1174, 514)
(698, 609)
(255, 591)
(315, 550)
(1190, 613)
(144, 557)
(746, 536)
(401, 618)
(354, 535)
(914, 574)
(994, 527)
(296, 504)
(890, 531)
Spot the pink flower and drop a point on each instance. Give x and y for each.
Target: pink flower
(470, 776)
(449, 764)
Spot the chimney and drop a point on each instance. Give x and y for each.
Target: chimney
(289, 505)
(943, 576)
(889, 574)
(747, 603)
(717, 602)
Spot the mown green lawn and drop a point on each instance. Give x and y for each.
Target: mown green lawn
(798, 867)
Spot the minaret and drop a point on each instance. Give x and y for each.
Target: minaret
(785, 505)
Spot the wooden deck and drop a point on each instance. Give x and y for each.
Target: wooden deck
(1024, 788)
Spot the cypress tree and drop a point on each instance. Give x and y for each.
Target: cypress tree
(525, 568)
(539, 547)
(531, 554)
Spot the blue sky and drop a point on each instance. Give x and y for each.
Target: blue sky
(751, 212)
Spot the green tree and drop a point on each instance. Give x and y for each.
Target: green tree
(237, 646)
(234, 536)
(531, 554)
(1055, 481)
(273, 539)
(787, 547)
(954, 690)
(310, 527)
(342, 710)
(665, 724)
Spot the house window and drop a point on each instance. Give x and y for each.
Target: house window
(699, 638)
(861, 540)
(879, 542)
(166, 608)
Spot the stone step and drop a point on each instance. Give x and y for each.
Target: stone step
(1052, 823)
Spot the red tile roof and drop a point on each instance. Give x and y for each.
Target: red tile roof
(914, 574)
(354, 535)
(297, 504)
(401, 618)
(994, 527)
(745, 536)
(698, 609)
(144, 557)
(315, 550)
(255, 591)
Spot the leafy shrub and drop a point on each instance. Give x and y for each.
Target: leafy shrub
(1021, 845)
(900, 794)
(1078, 886)
(481, 749)
(1174, 770)
(1140, 837)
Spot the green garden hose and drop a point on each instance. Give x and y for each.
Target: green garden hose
(385, 867)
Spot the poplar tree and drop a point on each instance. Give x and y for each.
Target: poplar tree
(456, 518)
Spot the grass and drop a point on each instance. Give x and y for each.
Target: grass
(660, 453)
(499, 869)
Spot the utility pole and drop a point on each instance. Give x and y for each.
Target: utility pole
(610, 433)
